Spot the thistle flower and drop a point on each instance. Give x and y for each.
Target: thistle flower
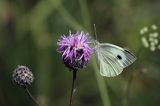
(75, 50)
(22, 76)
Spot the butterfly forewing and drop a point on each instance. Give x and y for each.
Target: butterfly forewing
(108, 64)
(124, 57)
(112, 59)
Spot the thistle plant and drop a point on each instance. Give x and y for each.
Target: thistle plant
(75, 53)
(23, 77)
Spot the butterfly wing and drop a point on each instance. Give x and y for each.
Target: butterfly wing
(112, 59)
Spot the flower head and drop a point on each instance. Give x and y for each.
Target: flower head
(75, 50)
(22, 76)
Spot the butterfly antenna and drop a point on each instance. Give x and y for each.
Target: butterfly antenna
(95, 31)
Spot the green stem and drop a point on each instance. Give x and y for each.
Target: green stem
(85, 14)
(31, 96)
(68, 17)
(102, 87)
(73, 87)
(131, 77)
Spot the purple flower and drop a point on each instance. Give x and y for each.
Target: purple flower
(75, 50)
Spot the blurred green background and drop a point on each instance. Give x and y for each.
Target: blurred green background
(29, 30)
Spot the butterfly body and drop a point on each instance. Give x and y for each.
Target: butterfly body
(112, 59)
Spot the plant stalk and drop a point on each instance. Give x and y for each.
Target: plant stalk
(31, 96)
(131, 77)
(73, 87)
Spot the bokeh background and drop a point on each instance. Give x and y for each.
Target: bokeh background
(29, 30)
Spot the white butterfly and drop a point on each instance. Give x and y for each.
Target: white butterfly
(112, 59)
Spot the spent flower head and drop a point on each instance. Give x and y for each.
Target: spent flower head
(22, 76)
(75, 50)
(150, 37)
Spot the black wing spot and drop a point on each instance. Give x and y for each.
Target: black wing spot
(119, 57)
(130, 53)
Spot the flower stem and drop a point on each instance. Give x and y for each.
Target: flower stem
(28, 92)
(131, 77)
(73, 86)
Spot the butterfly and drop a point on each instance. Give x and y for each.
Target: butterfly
(112, 59)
